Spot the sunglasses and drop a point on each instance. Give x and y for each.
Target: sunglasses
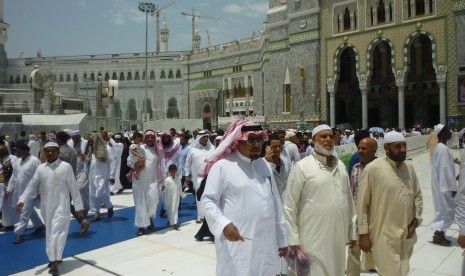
(255, 140)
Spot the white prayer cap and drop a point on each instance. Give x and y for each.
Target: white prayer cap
(289, 134)
(67, 131)
(51, 145)
(393, 136)
(117, 136)
(320, 128)
(75, 132)
(438, 128)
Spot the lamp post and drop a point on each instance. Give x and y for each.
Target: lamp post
(99, 100)
(147, 8)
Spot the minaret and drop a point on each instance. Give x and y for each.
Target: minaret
(196, 40)
(3, 39)
(164, 36)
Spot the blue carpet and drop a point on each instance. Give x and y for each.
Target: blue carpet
(15, 258)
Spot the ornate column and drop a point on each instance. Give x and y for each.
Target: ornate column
(332, 102)
(363, 89)
(400, 83)
(441, 79)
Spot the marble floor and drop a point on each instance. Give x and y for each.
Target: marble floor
(170, 252)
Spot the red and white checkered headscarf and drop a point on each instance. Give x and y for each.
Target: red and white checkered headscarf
(230, 140)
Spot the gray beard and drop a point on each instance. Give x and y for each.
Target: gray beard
(322, 151)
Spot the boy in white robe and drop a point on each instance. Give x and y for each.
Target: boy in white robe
(172, 190)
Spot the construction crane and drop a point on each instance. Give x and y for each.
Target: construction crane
(156, 12)
(193, 15)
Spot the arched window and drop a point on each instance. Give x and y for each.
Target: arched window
(346, 19)
(18, 79)
(68, 78)
(143, 75)
(24, 79)
(129, 76)
(62, 79)
(92, 76)
(121, 76)
(107, 76)
(152, 75)
(170, 74)
(12, 80)
(84, 77)
(178, 74)
(114, 76)
(381, 12)
(137, 76)
(162, 74)
(75, 78)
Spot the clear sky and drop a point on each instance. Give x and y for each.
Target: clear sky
(88, 27)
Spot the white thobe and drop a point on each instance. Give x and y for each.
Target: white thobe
(145, 187)
(194, 161)
(99, 185)
(34, 146)
(460, 201)
(117, 152)
(9, 214)
(172, 194)
(244, 192)
(22, 175)
(319, 212)
(292, 151)
(443, 182)
(283, 174)
(54, 183)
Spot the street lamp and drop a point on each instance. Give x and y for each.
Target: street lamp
(99, 100)
(147, 8)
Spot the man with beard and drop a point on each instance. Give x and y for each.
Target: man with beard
(319, 208)
(169, 154)
(443, 186)
(389, 208)
(242, 205)
(145, 186)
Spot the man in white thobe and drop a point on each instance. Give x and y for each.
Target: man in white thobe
(460, 209)
(319, 208)
(101, 174)
(82, 169)
(199, 150)
(443, 186)
(54, 181)
(389, 208)
(117, 147)
(242, 205)
(9, 214)
(26, 166)
(145, 186)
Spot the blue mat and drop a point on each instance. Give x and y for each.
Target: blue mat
(15, 258)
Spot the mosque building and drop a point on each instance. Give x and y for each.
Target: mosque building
(388, 63)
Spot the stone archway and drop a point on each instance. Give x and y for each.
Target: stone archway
(207, 116)
(348, 108)
(422, 89)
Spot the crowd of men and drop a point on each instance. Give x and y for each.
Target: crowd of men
(261, 195)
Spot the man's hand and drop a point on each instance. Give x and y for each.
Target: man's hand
(283, 252)
(411, 228)
(351, 243)
(365, 243)
(231, 233)
(19, 207)
(461, 241)
(271, 157)
(112, 181)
